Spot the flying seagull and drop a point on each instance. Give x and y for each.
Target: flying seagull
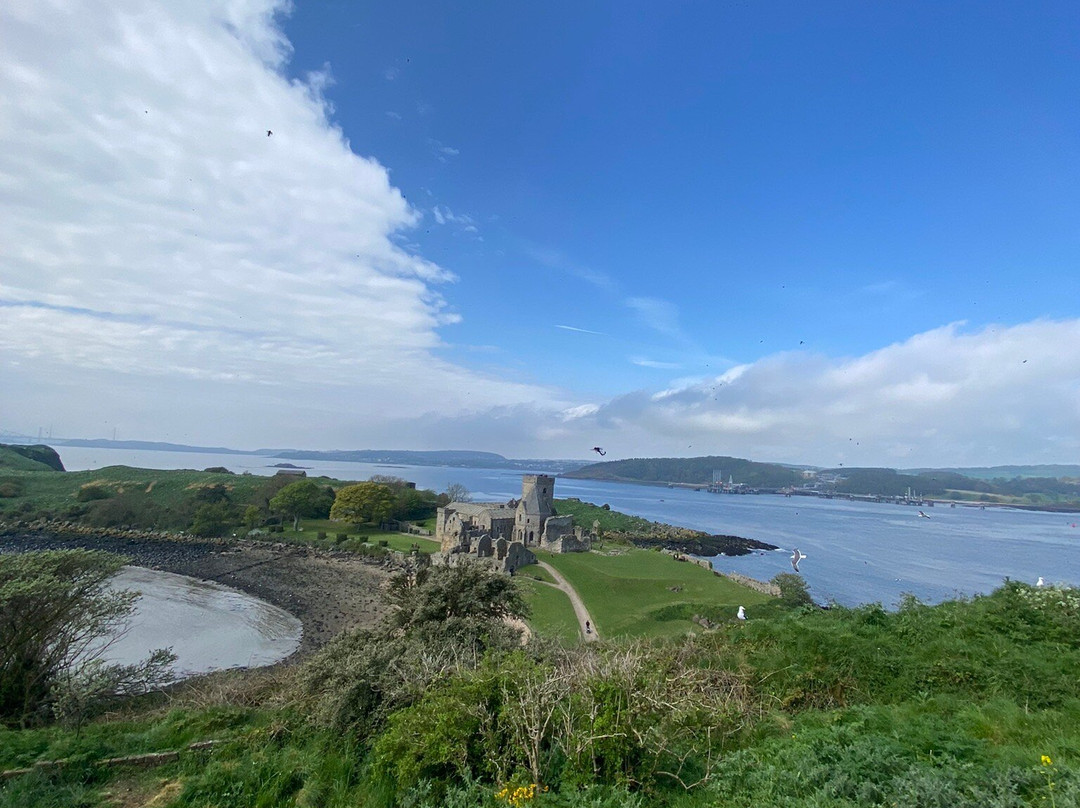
(268, 133)
(796, 557)
(742, 613)
(599, 451)
(924, 515)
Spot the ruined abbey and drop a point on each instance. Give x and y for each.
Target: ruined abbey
(505, 532)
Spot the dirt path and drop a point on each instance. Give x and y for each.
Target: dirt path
(583, 616)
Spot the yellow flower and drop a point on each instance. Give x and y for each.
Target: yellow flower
(1046, 761)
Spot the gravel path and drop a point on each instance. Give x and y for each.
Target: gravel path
(584, 618)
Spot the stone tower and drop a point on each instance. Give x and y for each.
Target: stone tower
(536, 505)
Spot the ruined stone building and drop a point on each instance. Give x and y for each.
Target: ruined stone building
(505, 532)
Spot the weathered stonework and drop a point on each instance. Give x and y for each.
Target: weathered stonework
(504, 532)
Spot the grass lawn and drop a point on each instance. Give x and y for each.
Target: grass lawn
(632, 593)
(536, 573)
(551, 614)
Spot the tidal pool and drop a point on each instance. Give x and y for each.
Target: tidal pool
(208, 626)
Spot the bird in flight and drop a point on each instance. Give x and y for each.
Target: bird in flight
(742, 613)
(599, 451)
(924, 515)
(796, 557)
(269, 132)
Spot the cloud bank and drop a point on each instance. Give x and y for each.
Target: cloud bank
(943, 397)
(153, 228)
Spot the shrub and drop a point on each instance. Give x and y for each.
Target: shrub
(321, 534)
(92, 491)
(11, 488)
(57, 609)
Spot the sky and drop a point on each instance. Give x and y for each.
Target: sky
(821, 233)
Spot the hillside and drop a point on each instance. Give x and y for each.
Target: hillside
(29, 458)
(690, 470)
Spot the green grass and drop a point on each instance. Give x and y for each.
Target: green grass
(550, 611)
(633, 592)
(585, 514)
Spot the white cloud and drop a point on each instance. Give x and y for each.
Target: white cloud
(580, 330)
(442, 151)
(644, 362)
(943, 397)
(150, 229)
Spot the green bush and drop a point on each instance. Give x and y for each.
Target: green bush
(11, 488)
(91, 492)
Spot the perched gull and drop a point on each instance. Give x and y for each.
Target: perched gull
(742, 613)
(1040, 582)
(796, 557)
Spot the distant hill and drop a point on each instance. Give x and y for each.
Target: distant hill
(1008, 472)
(947, 483)
(690, 470)
(460, 458)
(29, 458)
(144, 445)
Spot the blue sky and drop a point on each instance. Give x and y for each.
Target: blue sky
(821, 233)
(841, 174)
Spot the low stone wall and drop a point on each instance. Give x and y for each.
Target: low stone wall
(751, 583)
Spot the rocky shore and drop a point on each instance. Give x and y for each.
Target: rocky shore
(328, 591)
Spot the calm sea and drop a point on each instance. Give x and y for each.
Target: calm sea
(856, 552)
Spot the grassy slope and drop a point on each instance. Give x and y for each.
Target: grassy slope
(550, 612)
(585, 514)
(58, 490)
(10, 460)
(951, 705)
(627, 590)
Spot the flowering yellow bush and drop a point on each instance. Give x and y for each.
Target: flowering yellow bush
(522, 795)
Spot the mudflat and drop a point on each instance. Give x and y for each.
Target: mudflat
(328, 591)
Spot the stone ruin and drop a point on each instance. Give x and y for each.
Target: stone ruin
(503, 533)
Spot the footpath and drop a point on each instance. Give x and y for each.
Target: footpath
(583, 616)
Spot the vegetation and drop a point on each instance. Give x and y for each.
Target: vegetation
(969, 703)
(637, 592)
(29, 458)
(203, 503)
(56, 614)
(363, 502)
(303, 498)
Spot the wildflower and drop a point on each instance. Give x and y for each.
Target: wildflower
(1046, 761)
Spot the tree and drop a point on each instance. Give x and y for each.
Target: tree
(363, 502)
(466, 591)
(458, 493)
(303, 498)
(212, 519)
(56, 617)
(794, 592)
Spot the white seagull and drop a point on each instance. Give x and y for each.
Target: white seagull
(796, 557)
(1040, 582)
(924, 515)
(742, 613)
